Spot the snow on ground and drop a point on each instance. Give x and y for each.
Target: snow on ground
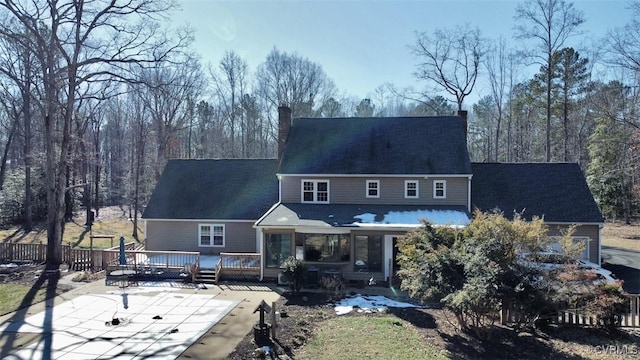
(368, 303)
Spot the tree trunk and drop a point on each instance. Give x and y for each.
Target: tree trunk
(28, 212)
(565, 124)
(497, 140)
(548, 130)
(5, 153)
(28, 194)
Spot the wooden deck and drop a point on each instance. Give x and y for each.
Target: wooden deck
(152, 264)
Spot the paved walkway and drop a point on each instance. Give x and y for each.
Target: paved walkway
(159, 320)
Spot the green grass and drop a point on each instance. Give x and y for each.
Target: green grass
(11, 297)
(364, 337)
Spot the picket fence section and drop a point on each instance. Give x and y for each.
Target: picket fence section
(631, 318)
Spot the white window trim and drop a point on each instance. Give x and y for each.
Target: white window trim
(586, 253)
(211, 226)
(444, 189)
(377, 195)
(315, 191)
(406, 188)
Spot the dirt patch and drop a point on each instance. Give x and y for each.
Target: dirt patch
(301, 315)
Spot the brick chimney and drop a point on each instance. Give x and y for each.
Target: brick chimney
(463, 117)
(284, 124)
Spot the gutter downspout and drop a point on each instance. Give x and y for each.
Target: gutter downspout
(469, 193)
(600, 227)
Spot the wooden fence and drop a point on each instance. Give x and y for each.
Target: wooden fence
(77, 259)
(631, 318)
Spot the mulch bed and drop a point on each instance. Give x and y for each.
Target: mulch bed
(297, 318)
(300, 316)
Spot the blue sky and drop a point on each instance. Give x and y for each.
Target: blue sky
(362, 44)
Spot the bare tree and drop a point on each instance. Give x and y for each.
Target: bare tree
(21, 74)
(166, 91)
(450, 59)
(550, 23)
(496, 63)
(76, 44)
(230, 85)
(294, 80)
(625, 42)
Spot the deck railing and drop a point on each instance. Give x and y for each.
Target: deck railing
(138, 259)
(230, 265)
(238, 265)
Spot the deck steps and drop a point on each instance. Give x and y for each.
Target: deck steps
(206, 277)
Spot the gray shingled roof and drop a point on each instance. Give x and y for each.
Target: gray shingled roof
(241, 189)
(402, 145)
(362, 215)
(557, 191)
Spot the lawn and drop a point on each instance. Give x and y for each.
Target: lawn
(112, 221)
(359, 337)
(12, 295)
(620, 235)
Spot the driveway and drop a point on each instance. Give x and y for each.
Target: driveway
(625, 264)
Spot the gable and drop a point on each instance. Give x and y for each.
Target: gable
(556, 191)
(239, 189)
(399, 145)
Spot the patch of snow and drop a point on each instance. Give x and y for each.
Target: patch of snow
(412, 218)
(366, 218)
(368, 303)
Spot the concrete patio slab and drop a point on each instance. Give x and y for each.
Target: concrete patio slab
(160, 326)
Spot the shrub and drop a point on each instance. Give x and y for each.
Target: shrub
(606, 306)
(475, 271)
(295, 271)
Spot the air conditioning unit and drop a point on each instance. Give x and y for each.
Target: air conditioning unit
(282, 280)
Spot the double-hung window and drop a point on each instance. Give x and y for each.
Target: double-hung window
(411, 190)
(211, 235)
(373, 188)
(315, 191)
(440, 189)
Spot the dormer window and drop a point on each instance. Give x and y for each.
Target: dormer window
(315, 191)
(373, 188)
(440, 189)
(411, 190)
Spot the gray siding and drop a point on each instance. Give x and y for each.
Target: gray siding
(346, 190)
(183, 236)
(590, 231)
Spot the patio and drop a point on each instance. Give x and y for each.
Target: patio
(120, 326)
